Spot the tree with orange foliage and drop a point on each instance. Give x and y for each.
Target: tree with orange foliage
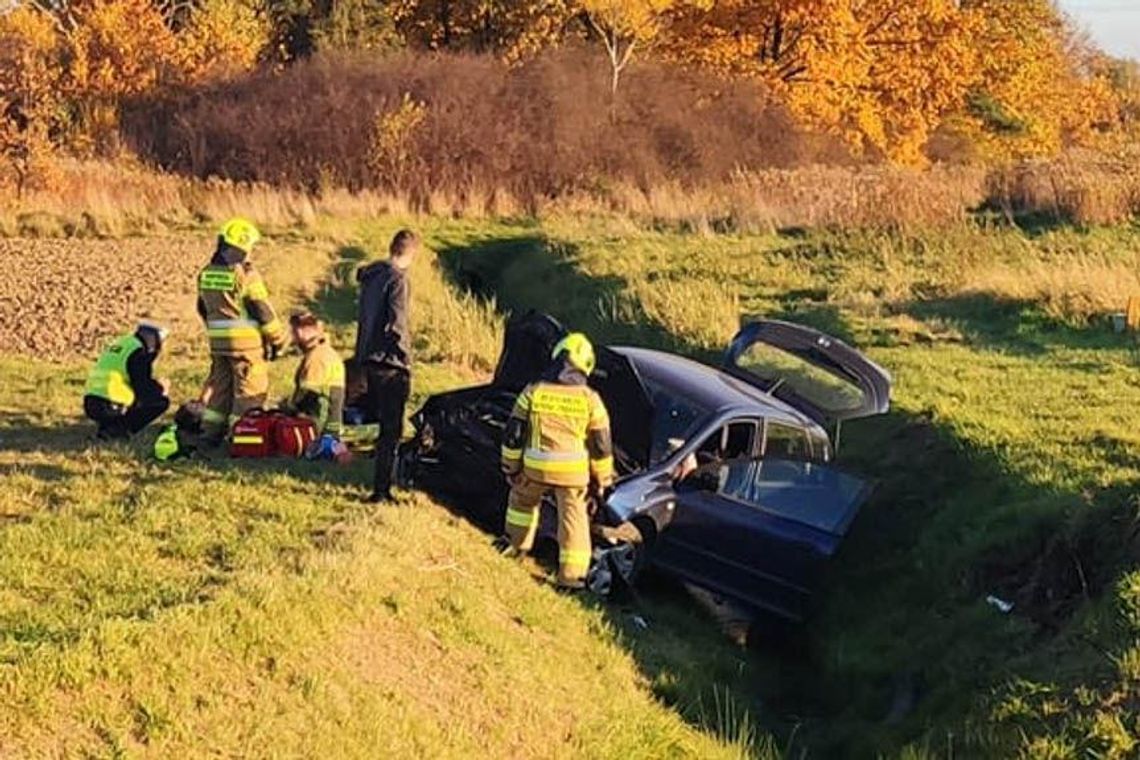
(510, 29)
(879, 73)
(220, 37)
(625, 26)
(117, 49)
(113, 49)
(30, 69)
(1038, 89)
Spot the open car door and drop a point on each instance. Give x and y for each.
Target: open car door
(760, 530)
(820, 375)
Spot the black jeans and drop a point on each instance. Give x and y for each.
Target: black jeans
(388, 390)
(118, 421)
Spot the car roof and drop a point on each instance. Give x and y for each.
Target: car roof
(707, 386)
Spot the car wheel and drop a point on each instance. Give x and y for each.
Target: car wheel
(618, 567)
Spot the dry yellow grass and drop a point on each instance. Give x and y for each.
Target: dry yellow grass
(1083, 187)
(109, 199)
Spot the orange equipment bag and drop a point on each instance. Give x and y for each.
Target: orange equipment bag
(252, 436)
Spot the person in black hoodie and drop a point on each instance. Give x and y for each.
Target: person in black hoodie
(383, 349)
(122, 396)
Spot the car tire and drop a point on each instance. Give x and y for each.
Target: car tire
(616, 569)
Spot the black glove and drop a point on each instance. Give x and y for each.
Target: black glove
(271, 352)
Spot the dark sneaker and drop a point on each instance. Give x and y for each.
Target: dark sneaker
(380, 497)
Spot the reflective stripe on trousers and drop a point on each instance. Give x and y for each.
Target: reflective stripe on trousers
(574, 561)
(522, 519)
(573, 525)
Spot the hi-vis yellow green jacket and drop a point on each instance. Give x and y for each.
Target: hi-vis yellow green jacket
(559, 435)
(234, 302)
(110, 377)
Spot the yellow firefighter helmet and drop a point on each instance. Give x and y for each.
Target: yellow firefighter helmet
(578, 350)
(241, 234)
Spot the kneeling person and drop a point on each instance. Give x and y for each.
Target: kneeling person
(122, 396)
(318, 387)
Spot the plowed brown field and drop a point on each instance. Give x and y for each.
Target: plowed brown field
(63, 299)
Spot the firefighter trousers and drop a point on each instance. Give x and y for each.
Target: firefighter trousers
(236, 384)
(573, 525)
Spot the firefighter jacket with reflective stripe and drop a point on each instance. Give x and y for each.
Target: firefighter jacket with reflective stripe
(318, 387)
(559, 435)
(234, 302)
(110, 377)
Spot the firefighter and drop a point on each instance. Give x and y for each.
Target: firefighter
(122, 396)
(558, 440)
(318, 386)
(242, 327)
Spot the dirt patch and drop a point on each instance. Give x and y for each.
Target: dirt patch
(62, 299)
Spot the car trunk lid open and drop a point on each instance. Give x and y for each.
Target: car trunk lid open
(820, 375)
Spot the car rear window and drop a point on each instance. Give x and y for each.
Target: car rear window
(818, 387)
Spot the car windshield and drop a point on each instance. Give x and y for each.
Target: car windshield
(675, 419)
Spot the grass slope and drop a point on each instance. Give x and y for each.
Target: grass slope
(1008, 466)
(261, 610)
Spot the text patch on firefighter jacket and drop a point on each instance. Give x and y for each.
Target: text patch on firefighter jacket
(109, 377)
(559, 435)
(318, 388)
(235, 304)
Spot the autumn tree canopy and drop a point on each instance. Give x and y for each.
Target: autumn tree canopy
(1009, 78)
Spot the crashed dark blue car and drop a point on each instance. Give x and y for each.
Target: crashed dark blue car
(727, 478)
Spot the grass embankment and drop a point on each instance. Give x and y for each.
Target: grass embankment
(262, 610)
(1009, 466)
(211, 607)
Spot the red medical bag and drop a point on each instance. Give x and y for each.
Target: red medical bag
(293, 435)
(253, 437)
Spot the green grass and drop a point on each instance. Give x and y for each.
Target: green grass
(215, 607)
(212, 607)
(1009, 466)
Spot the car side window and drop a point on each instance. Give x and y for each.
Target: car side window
(820, 448)
(786, 442)
(740, 439)
(736, 440)
(801, 491)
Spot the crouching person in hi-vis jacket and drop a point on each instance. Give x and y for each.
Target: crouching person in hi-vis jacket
(558, 440)
(242, 327)
(122, 395)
